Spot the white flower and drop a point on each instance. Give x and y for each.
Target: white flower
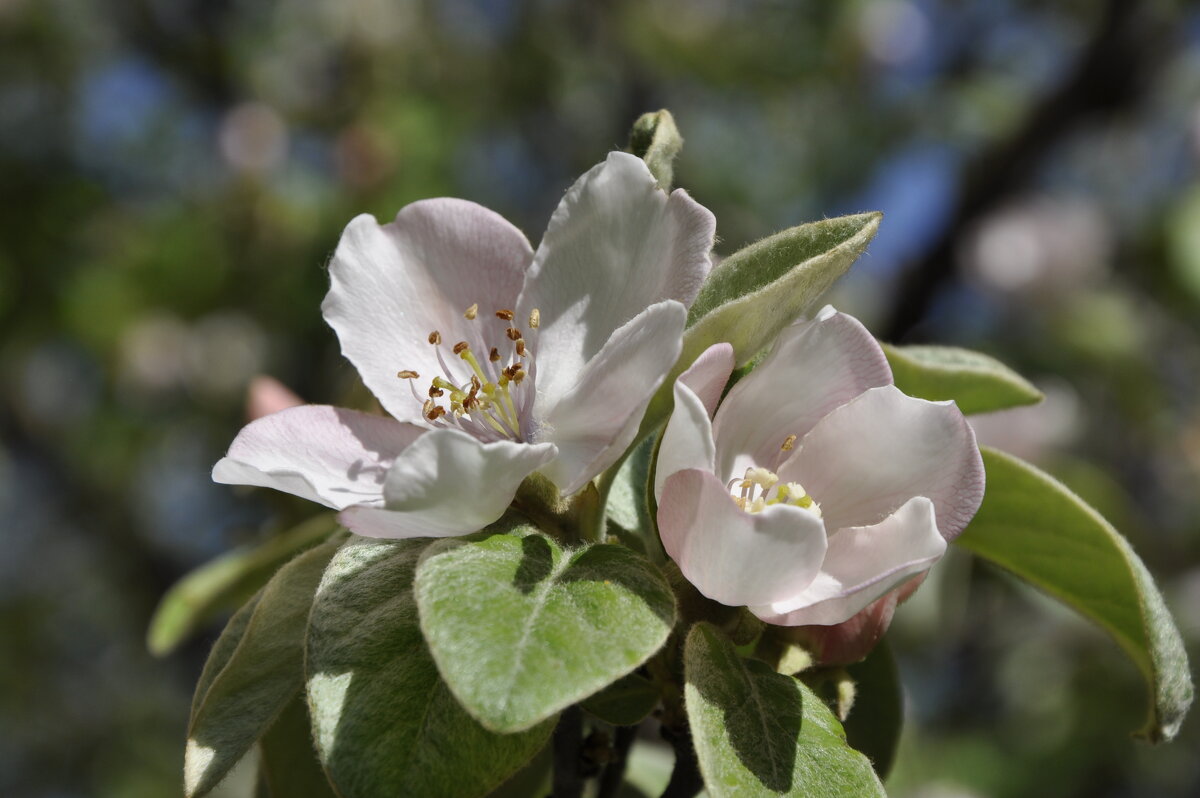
(818, 486)
(494, 361)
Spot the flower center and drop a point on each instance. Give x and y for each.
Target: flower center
(760, 488)
(489, 393)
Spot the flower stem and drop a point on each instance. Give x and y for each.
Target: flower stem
(685, 776)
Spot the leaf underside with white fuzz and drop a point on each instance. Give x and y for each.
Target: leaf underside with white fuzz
(655, 139)
(522, 628)
(255, 668)
(1035, 527)
(384, 721)
(977, 383)
(760, 733)
(762, 288)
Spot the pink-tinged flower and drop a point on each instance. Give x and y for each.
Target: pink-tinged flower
(818, 486)
(493, 360)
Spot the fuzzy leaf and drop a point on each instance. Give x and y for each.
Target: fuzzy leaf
(226, 582)
(655, 139)
(762, 288)
(288, 767)
(625, 702)
(1035, 527)
(760, 733)
(385, 723)
(238, 700)
(976, 382)
(521, 628)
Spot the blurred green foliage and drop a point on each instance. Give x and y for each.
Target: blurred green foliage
(173, 176)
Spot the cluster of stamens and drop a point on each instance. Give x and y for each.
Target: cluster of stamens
(488, 403)
(760, 488)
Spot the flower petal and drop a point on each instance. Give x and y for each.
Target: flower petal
(688, 439)
(872, 454)
(862, 564)
(448, 483)
(594, 422)
(735, 557)
(853, 639)
(616, 245)
(325, 454)
(814, 367)
(392, 284)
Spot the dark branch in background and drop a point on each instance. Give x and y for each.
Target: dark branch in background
(614, 771)
(1130, 45)
(685, 776)
(568, 752)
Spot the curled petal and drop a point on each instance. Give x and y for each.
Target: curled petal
(732, 556)
(392, 285)
(851, 640)
(874, 453)
(688, 439)
(448, 483)
(595, 422)
(324, 454)
(861, 565)
(616, 245)
(814, 367)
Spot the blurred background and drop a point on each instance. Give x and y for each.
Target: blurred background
(174, 175)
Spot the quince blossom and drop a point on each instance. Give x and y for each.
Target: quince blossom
(493, 360)
(817, 487)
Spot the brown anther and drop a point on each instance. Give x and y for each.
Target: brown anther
(535, 318)
(435, 392)
(513, 333)
(475, 384)
(788, 443)
(494, 355)
(435, 413)
(510, 371)
(461, 347)
(519, 375)
(521, 347)
(472, 312)
(507, 315)
(427, 408)
(435, 338)
(407, 374)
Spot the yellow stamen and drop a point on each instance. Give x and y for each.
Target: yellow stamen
(520, 347)
(472, 312)
(788, 443)
(535, 318)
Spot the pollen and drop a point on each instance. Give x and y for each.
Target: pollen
(408, 374)
(460, 347)
(471, 312)
(513, 334)
(435, 338)
(788, 443)
(535, 318)
(507, 315)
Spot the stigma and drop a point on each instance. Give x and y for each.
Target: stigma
(485, 387)
(760, 488)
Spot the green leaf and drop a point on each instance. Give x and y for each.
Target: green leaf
(521, 628)
(762, 288)
(877, 717)
(655, 139)
(625, 702)
(760, 733)
(385, 723)
(626, 507)
(976, 382)
(256, 667)
(1032, 525)
(225, 583)
(288, 766)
